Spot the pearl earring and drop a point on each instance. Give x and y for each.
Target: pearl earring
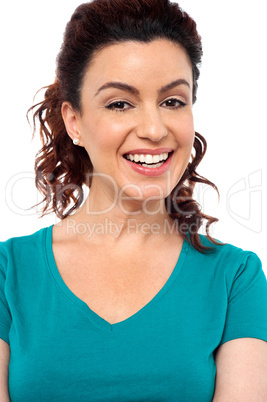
(76, 141)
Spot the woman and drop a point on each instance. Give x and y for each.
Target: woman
(123, 300)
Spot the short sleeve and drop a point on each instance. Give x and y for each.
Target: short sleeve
(247, 302)
(5, 318)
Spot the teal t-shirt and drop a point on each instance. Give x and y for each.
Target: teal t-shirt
(63, 351)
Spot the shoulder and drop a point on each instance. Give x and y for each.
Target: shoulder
(22, 247)
(222, 248)
(237, 284)
(226, 253)
(226, 263)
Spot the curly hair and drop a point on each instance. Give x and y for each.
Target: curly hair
(61, 168)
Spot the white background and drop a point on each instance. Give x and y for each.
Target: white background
(230, 111)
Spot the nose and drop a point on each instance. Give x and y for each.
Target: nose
(151, 125)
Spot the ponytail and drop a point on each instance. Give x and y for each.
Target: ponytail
(61, 169)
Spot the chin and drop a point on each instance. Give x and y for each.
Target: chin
(145, 198)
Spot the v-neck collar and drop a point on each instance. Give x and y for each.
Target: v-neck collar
(94, 317)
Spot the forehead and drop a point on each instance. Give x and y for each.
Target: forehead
(159, 61)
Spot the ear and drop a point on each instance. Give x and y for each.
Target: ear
(71, 120)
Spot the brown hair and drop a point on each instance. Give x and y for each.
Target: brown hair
(62, 168)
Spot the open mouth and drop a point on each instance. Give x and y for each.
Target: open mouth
(147, 160)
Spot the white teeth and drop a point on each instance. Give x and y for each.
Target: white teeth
(142, 158)
(153, 166)
(156, 158)
(147, 159)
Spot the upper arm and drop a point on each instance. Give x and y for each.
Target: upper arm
(4, 362)
(241, 371)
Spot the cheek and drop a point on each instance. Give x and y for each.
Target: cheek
(105, 136)
(185, 134)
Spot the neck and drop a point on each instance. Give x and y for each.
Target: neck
(124, 219)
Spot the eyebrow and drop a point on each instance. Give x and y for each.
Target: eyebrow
(134, 91)
(174, 84)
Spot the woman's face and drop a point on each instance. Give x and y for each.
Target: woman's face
(136, 119)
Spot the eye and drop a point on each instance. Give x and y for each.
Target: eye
(119, 106)
(173, 103)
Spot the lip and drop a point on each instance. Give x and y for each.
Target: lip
(151, 172)
(146, 151)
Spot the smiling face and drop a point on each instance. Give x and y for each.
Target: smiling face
(136, 119)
